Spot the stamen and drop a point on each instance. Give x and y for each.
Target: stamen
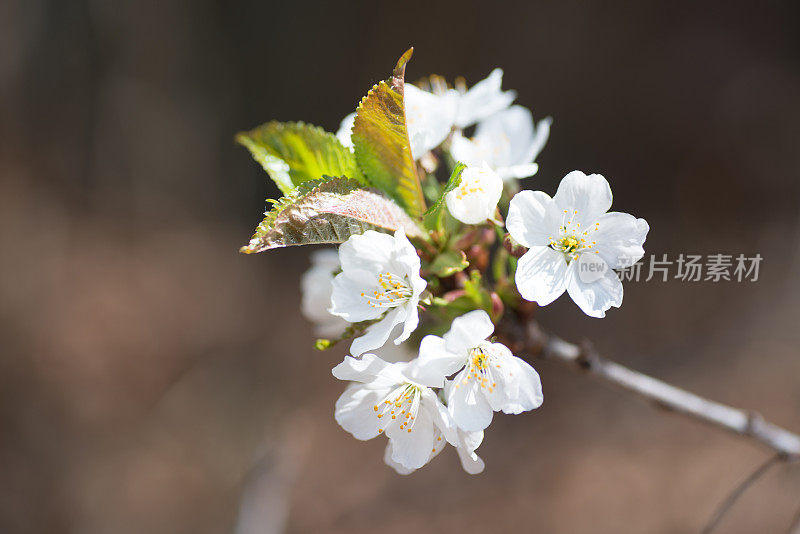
(392, 291)
(571, 240)
(406, 396)
(480, 368)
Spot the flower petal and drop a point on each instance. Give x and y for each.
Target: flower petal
(429, 117)
(346, 299)
(395, 353)
(518, 171)
(387, 458)
(404, 256)
(467, 331)
(507, 135)
(441, 417)
(364, 369)
(435, 362)
(519, 387)
(533, 218)
(539, 138)
(410, 321)
(412, 447)
(596, 297)
(370, 251)
(465, 150)
(589, 195)
(541, 275)
(590, 267)
(377, 334)
(355, 413)
(467, 405)
(401, 470)
(483, 99)
(467, 443)
(620, 237)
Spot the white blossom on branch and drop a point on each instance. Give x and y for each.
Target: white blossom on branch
(489, 379)
(574, 243)
(379, 280)
(507, 141)
(384, 399)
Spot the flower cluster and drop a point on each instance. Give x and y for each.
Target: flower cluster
(419, 267)
(450, 390)
(415, 403)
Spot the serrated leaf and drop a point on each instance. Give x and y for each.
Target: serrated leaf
(328, 211)
(452, 182)
(381, 145)
(449, 263)
(295, 152)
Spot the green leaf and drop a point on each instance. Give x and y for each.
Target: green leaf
(453, 182)
(381, 145)
(449, 263)
(328, 211)
(294, 152)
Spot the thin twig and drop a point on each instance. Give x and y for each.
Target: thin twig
(525, 337)
(738, 491)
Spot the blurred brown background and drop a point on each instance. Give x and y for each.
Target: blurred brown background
(152, 379)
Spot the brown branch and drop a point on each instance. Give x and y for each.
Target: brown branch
(526, 338)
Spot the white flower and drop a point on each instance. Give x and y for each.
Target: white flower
(483, 99)
(507, 141)
(380, 275)
(574, 244)
(429, 118)
(386, 400)
(490, 379)
(316, 286)
(475, 199)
